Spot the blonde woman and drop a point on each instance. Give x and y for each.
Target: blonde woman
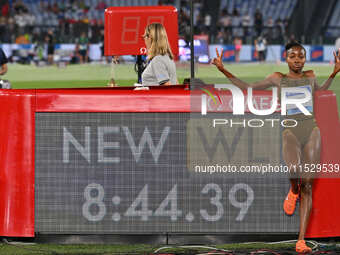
(161, 68)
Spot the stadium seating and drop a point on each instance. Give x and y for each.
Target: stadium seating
(334, 21)
(51, 19)
(270, 8)
(275, 9)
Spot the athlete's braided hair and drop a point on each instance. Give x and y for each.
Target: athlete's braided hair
(294, 44)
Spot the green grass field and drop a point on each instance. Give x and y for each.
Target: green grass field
(91, 249)
(98, 75)
(287, 247)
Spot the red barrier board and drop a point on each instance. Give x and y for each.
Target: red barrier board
(17, 163)
(324, 221)
(18, 152)
(124, 27)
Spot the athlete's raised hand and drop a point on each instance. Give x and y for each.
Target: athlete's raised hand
(336, 69)
(218, 60)
(336, 61)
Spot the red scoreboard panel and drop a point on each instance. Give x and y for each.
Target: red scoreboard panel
(88, 161)
(124, 27)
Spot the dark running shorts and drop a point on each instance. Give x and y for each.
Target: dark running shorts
(303, 130)
(50, 50)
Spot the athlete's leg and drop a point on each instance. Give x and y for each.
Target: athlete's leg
(291, 150)
(310, 155)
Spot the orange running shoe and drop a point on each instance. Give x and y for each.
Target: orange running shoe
(290, 202)
(301, 247)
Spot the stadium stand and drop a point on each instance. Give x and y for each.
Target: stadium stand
(93, 9)
(33, 18)
(277, 9)
(333, 28)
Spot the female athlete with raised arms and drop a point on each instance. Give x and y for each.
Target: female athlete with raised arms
(301, 144)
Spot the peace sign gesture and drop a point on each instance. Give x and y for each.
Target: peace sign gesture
(218, 60)
(336, 61)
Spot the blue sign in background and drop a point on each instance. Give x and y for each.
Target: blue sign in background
(228, 53)
(283, 53)
(316, 54)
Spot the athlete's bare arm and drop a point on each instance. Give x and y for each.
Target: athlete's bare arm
(336, 69)
(3, 69)
(272, 80)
